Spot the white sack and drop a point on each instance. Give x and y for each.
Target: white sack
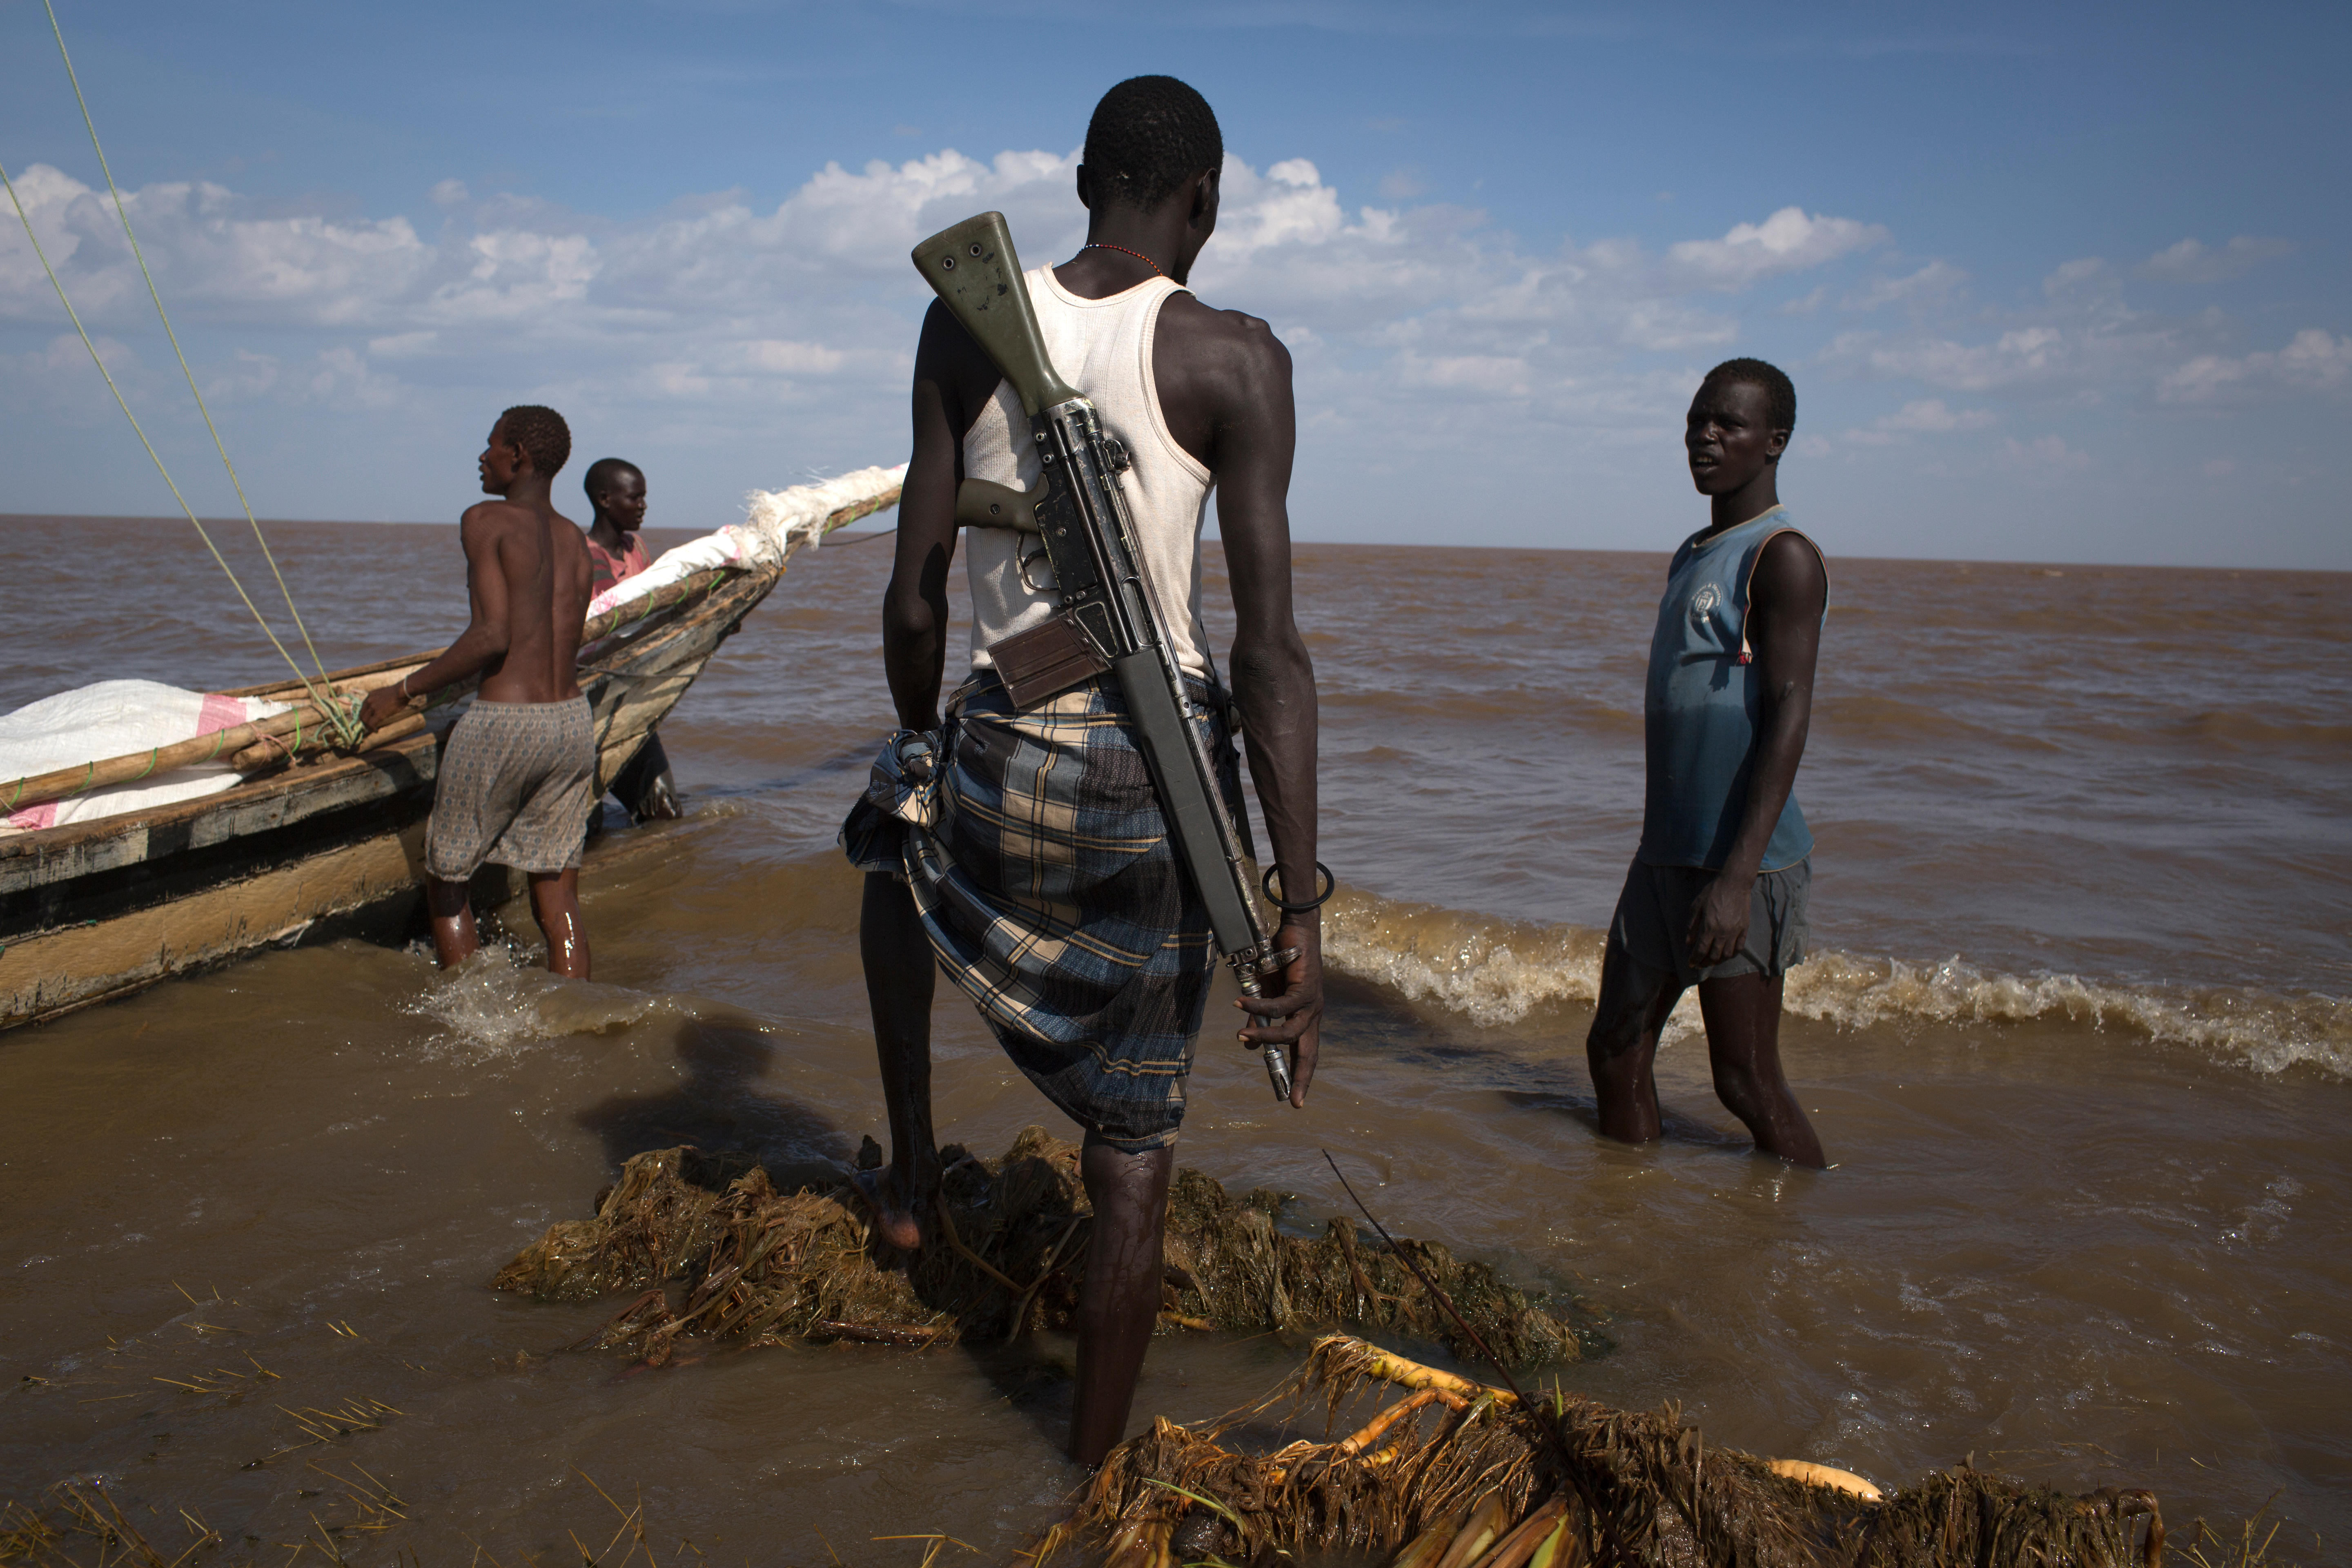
(114, 719)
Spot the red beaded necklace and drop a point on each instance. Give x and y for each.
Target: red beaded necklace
(1105, 245)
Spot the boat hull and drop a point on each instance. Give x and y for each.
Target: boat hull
(95, 910)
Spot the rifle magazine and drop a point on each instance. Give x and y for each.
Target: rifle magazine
(1046, 660)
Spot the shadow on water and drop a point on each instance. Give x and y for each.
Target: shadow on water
(720, 1108)
(721, 1111)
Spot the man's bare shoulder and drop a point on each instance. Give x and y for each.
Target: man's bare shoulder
(1790, 572)
(487, 517)
(561, 528)
(1229, 335)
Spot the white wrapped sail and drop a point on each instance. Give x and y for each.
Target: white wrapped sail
(115, 719)
(780, 522)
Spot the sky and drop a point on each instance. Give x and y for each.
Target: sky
(2054, 282)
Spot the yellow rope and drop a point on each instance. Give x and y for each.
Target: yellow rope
(218, 445)
(75, 316)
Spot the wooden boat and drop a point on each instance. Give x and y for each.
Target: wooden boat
(320, 842)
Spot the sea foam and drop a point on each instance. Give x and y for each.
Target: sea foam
(1496, 972)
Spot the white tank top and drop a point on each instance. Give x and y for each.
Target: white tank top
(1102, 347)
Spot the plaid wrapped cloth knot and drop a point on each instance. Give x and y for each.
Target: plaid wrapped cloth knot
(1039, 861)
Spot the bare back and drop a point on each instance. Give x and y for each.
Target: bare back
(528, 576)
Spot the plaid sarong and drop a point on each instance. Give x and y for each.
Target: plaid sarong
(1040, 864)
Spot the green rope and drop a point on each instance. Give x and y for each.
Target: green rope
(218, 445)
(119, 402)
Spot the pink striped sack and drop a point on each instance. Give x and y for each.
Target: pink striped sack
(115, 719)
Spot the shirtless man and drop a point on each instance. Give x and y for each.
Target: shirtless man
(616, 493)
(1717, 896)
(519, 771)
(1102, 1009)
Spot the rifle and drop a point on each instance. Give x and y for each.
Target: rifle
(1109, 621)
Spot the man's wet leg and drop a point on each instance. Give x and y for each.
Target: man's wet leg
(451, 913)
(555, 905)
(1118, 1303)
(1743, 1043)
(899, 977)
(1623, 1044)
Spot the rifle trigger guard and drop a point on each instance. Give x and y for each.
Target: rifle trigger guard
(1023, 559)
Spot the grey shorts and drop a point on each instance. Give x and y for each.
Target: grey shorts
(515, 785)
(1652, 925)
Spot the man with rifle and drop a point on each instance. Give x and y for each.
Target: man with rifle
(1054, 843)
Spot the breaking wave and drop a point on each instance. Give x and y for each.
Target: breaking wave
(1497, 972)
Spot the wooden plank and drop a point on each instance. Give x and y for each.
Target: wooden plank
(273, 688)
(83, 848)
(60, 970)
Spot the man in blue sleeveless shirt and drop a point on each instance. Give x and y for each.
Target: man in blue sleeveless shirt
(1717, 890)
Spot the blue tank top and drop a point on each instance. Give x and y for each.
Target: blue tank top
(1699, 708)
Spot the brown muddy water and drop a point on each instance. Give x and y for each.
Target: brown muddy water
(2077, 1036)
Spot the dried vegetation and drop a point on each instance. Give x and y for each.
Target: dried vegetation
(1458, 1475)
(714, 1248)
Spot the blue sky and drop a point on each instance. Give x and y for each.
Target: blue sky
(2054, 282)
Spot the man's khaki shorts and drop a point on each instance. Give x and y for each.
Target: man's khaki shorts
(515, 782)
(1652, 925)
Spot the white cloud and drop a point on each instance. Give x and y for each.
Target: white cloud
(55, 379)
(1415, 327)
(1404, 183)
(401, 345)
(2191, 261)
(2073, 274)
(2043, 454)
(2315, 361)
(1788, 241)
(1930, 417)
(255, 375)
(2034, 353)
(344, 379)
(707, 285)
(208, 254)
(1935, 282)
(782, 357)
(1925, 416)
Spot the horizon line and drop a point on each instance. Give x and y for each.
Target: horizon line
(1667, 549)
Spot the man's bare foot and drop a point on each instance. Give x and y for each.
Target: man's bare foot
(895, 1223)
